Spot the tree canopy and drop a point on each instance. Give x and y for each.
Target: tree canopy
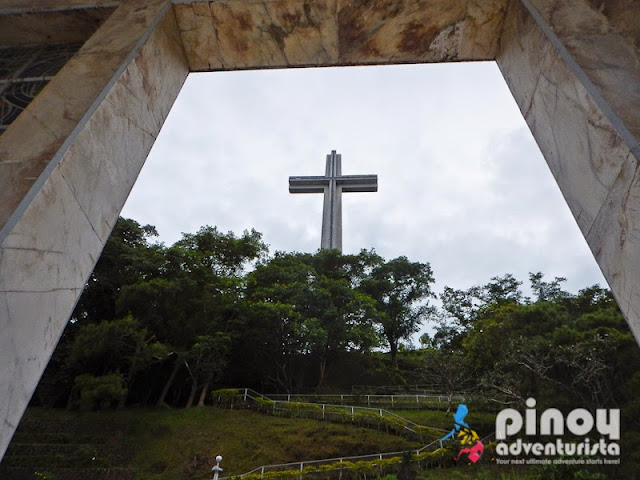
(165, 325)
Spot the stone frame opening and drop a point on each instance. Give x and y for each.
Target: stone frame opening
(573, 68)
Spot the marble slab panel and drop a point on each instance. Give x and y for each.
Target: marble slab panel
(24, 356)
(614, 239)
(253, 34)
(151, 82)
(234, 34)
(54, 247)
(483, 26)
(105, 160)
(581, 146)
(65, 103)
(623, 16)
(129, 79)
(583, 136)
(519, 64)
(608, 57)
(383, 31)
(44, 265)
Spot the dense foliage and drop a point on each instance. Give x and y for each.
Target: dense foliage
(165, 325)
(556, 347)
(160, 325)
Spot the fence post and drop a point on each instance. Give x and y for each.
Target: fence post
(301, 470)
(368, 400)
(289, 398)
(262, 472)
(352, 413)
(245, 395)
(392, 401)
(323, 411)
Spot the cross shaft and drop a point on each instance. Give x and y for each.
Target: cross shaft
(332, 184)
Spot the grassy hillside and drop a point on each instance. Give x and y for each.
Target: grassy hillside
(144, 444)
(175, 444)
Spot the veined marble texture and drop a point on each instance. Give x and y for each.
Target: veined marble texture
(578, 87)
(240, 34)
(62, 187)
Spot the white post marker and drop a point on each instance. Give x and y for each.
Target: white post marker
(216, 470)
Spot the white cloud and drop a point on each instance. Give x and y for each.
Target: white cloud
(461, 182)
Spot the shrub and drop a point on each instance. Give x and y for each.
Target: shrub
(338, 414)
(98, 392)
(226, 397)
(264, 405)
(427, 431)
(393, 422)
(367, 417)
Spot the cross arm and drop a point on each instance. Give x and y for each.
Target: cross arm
(358, 183)
(308, 184)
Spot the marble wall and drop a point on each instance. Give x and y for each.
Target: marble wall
(240, 34)
(576, 79)
(62, 188)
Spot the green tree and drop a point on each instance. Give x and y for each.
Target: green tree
(547, 291)
(118, 346)
(128, 257)
(448, 372)
(199, 293)
(270, 336)
(400, 289)
(206, 363)
(312, 308)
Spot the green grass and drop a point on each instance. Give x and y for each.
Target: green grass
(245, 440)
(182, 444)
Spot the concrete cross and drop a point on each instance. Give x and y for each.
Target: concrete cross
(332, 184)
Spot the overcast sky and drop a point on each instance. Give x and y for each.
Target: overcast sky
(462, 184)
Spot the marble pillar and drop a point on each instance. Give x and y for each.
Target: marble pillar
(63, 184)
(574, 70)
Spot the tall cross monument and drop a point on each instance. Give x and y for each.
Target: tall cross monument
(332, 184)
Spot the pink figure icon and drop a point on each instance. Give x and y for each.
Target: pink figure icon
(474, 453)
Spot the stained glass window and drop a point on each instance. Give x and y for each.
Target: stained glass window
(24, 72)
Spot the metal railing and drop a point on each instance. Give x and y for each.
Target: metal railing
(407, 389)
(337, 461)
(394, 401)
(365, 416)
